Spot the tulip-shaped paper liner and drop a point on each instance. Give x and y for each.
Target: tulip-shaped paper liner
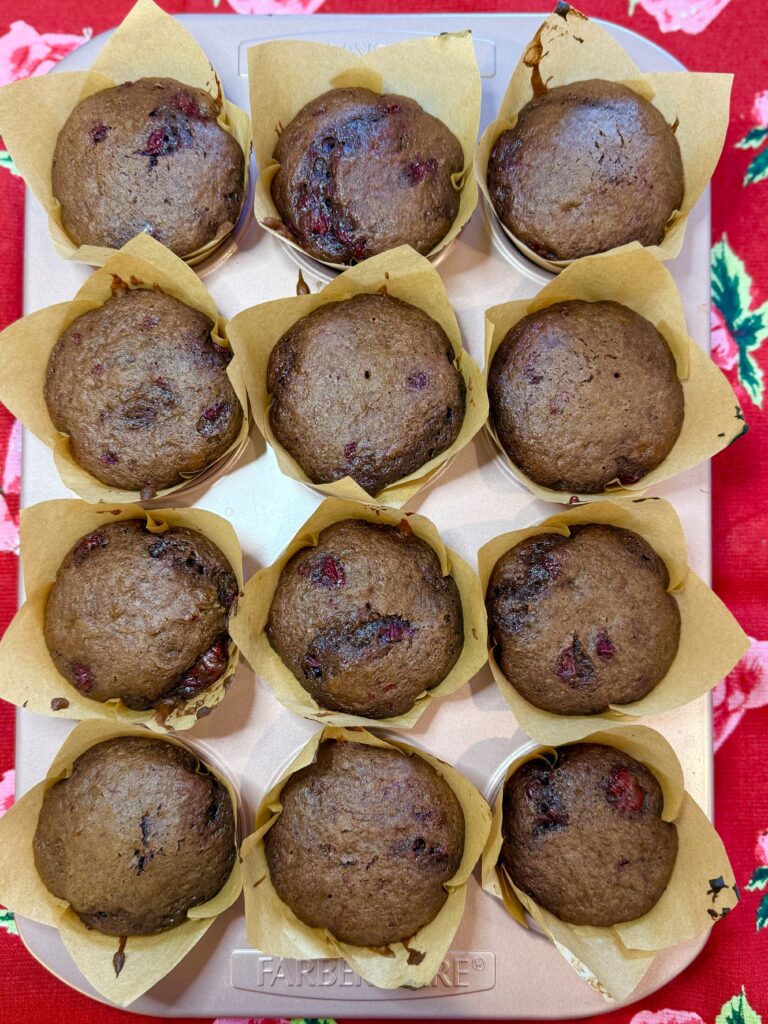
(28, 676)
(711, 641)
(401, 273)
(273, 928)
(149, 43)
(633, 278)
(26, 346)
(568, 48)
(701, 889)
(439, 72)
(248, 628)
(147, 958)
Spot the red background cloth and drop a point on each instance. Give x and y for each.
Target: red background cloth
(729, 981)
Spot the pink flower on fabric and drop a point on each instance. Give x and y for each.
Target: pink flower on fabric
(745, 687)
(760, 109)
(725, 351)
(761, 847)
(275, 6)
(667, 1017)
(25, 52)
(691, 16)
(10, 483)
(7, 785)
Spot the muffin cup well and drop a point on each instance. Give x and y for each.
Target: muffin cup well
(148, 43)
(711, 640)
(248, 628)
(28, 676)
(401, 273)
(701, 890)
(631, 276)
(148, 958)
(439, 72)
(26, 346)
(273, 928)
(567, 48)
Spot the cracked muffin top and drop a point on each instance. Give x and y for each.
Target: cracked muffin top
(583, 394)
(148, 156)
(365, 843)
(588, 167)
(142, 390)
(140, 832)
(361, 173)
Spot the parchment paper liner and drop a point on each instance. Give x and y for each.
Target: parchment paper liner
(439, 72)
(632, 277)
(148, 958)
(26, 346)
(401, 273)
(28, 676)
(711, 641)
(567, 48)
(614, 959)
(148, 44)
(274, 929)
(248, 627)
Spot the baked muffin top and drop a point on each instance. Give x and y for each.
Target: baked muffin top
(141, 616)
(365, 620)
(365, 842)
(361, 173)
(585, 838)
(582, 622)
(588, 167)
(148, 156)
(142, 391)
(365, 388)
(583, 394)
(140, 832)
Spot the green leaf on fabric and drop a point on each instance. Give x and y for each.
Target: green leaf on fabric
(754, 138)
(8, 922)
(7, 163)
(758, 169)
(759, 878)
(738, 1011)
(762, 913)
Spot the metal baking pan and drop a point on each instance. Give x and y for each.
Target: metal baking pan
(495, 968)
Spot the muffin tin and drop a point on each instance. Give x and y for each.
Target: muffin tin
(495, 969)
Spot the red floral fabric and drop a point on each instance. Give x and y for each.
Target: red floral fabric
(728, 983)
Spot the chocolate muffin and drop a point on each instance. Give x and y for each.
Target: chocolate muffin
(583, 394)
(365, 388)
(142, 391)
(588, 167)
(141, 616)
(365, 843)
(365, 620)
(139, 833)
(584, 836)
(148, 156)
(582, 622)
(362, 173)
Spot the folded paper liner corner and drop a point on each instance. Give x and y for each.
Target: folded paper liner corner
(148, 958)
(26, 346)
(248, 628)
(273, 928)
(711, 640)
(568, 48)
(632, 277)
(701, 889)
(439, 72)
(401, 273)
(148, 43)
(28, 676)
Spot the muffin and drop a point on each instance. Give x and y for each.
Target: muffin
(584, 836)
(139, 833)
(582, 622)
(139, 616)
(365, 620)
(588, 167)
(366, 840)
(142, 391)
(583, 394)
(362, 173)
(365, 388)
(148, 156)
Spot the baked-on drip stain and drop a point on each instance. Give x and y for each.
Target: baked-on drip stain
(118, 960)
(59, 704)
